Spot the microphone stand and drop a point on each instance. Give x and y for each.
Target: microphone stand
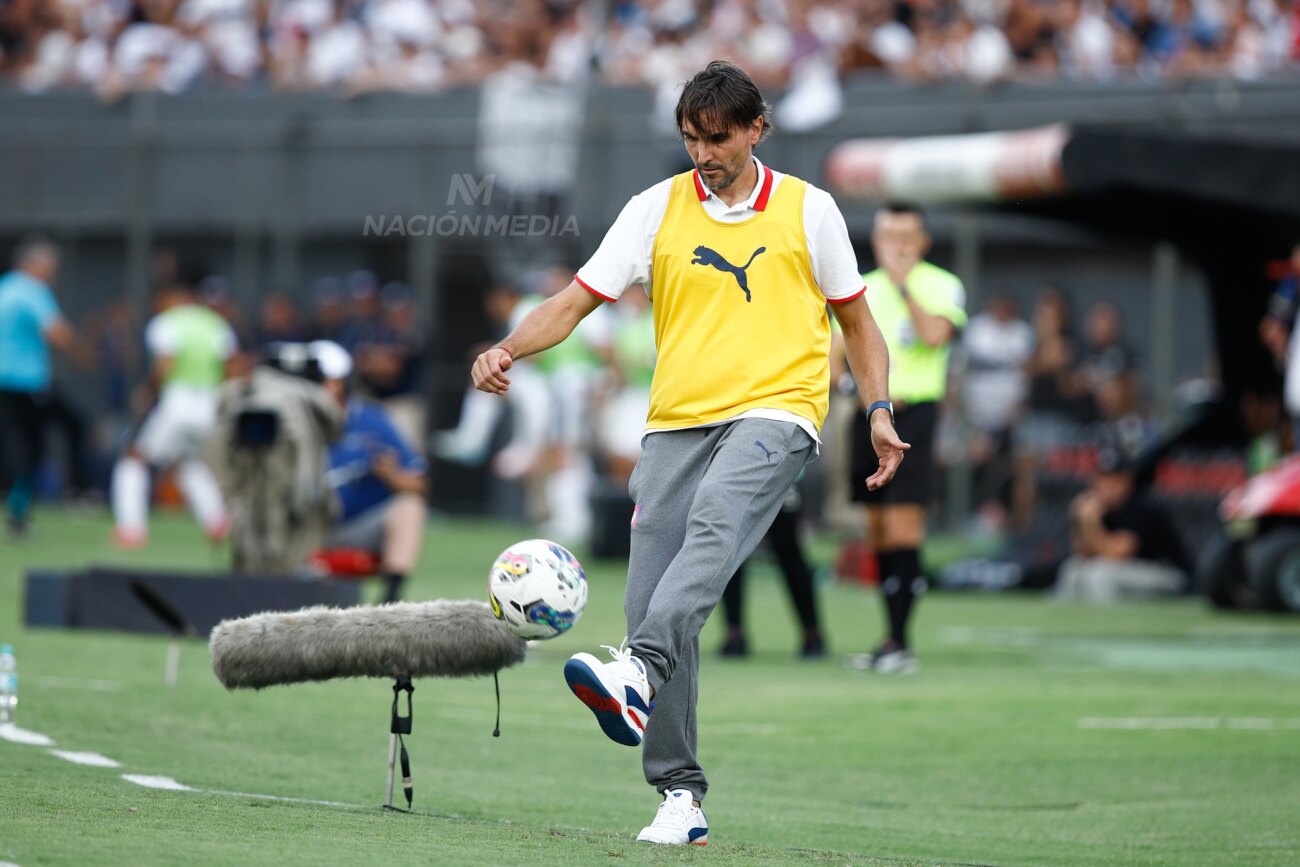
(401, 725)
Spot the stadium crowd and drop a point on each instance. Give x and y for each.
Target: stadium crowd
(355, 46)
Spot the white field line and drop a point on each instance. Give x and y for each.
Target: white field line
(14, 734)
(78, 683)
(94, 760)
(1185, 723)
(156, 782)
(169, 784)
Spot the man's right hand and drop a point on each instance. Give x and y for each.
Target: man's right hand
(490, 370)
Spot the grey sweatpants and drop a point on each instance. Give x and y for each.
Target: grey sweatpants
(704, 499)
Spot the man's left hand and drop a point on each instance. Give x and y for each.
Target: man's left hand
(889, 449)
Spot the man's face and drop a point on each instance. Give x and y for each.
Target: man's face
(1103, 325)
(721, 157)
(899, 240)
(43, 266)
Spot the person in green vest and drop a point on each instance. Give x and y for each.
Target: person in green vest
(571, 369)
(625, 408)
(920, 308)
(190, 345)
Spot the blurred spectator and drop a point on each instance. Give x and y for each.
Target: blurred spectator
(571, 370)
(384, 339)
(215, 293)
(380, 483)
(1278, 333)
(390, 362)
(192, 347)
(278, 321)
(30, 323)
(996, 346)
(626, 405)
(1056, 402)
(361, 309)
(1123, 544)
(116, 355)
(327, 309)
(358, 46)
(1109, 371)
(528, 401)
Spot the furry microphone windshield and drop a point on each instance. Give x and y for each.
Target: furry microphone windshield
(443, 638)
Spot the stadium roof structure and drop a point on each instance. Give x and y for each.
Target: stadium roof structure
(1229, 206)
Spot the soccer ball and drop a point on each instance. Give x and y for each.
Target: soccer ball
(538, 588)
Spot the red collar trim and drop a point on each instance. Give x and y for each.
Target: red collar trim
(764, 192)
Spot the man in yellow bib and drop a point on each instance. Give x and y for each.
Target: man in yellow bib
(739, 262)
(919, 308)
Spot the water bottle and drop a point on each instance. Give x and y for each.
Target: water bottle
(8, 684)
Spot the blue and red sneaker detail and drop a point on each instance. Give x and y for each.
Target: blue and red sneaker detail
(617, 692)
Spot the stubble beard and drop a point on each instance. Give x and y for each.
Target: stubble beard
(727, 179)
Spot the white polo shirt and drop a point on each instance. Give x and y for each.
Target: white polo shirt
(624, 256)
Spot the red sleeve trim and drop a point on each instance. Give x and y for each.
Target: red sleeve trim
(699, 186)
(601, 295)
(760, 204)
(857, 294)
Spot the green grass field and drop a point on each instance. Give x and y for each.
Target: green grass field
(1036, 733)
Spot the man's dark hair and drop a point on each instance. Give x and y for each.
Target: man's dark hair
(721, 98)
(33, 246)
(898, 206)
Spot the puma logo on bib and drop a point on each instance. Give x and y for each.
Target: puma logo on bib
(714, 259)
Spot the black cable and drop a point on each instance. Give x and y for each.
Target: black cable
(496, 732)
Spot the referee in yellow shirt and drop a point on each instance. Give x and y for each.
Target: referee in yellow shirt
(740, 262)
(919, 308)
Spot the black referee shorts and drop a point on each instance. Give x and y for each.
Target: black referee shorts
(914, 482)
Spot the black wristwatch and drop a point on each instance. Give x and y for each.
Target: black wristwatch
(881, 404)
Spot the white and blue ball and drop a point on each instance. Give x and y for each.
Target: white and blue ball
(537, 587)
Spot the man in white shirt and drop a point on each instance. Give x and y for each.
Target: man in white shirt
(740, 262)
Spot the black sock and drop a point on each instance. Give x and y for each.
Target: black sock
(889, 584)
(393, 584)
(910, 585)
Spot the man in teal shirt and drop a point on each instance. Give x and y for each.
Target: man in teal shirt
(30, 323)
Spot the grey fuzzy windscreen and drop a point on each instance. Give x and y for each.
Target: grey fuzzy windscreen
(444, 638)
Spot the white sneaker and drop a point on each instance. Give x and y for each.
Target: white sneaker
(617, 692)
(895, 661)
(678, 823)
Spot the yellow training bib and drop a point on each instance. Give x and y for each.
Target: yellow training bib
(740, 324)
